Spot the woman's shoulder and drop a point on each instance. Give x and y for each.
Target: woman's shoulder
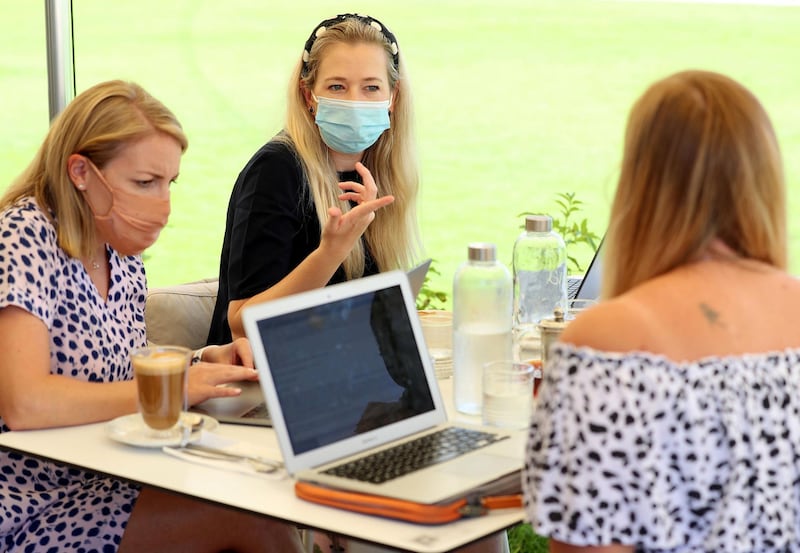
(276, 160)
(278, 149)
(638, 319)
(27, 220)
(687, 311)
(619, 324)
(24, 207)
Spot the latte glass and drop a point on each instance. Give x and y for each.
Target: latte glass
(161, 381)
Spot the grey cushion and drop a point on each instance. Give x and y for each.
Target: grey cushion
(181, 314)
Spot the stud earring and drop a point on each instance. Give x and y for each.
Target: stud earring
(311, 110)
(81, 187)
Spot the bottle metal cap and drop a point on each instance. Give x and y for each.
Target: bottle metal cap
(482, 251)
(538, 223)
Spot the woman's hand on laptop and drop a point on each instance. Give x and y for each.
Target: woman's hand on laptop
(209, 380)
(237, 352)
(221, 366)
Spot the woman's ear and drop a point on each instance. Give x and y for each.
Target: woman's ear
(77, 169)
(307, 97)
(395, 93)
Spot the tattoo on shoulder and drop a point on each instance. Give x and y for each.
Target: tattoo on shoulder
(711, 314)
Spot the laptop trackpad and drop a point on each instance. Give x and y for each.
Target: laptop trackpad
(479, 465)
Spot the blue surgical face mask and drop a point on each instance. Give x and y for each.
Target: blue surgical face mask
(350, 127)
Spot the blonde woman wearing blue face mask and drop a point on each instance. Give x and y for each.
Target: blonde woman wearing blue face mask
(332, 196)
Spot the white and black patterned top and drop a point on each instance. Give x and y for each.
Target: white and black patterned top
(48, 507)
(637, 449)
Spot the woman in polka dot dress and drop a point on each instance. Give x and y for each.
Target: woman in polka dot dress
(72, 295)
(669, 418)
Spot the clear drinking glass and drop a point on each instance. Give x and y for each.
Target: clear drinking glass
(507, 393)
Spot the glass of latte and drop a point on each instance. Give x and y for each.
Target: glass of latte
(161, 380)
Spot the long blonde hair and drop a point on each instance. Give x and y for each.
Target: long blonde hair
(393, 237)
(98, 123)
(701, 162)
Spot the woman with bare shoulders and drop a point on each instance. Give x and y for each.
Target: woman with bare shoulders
(669, 417)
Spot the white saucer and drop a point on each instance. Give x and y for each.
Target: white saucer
(131, 430)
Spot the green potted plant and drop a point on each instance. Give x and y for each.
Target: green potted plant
(429, 298)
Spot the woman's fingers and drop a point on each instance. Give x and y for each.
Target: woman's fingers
(362, 192)
(207, 380)
(361, 216)
(366, 176)
(343, 229)
(242, 353)
(358, 218)
(371, 205)
(351, 196)
(237, 352)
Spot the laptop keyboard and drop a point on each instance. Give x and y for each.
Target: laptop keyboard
(260, 411)
(573, 284)
(408, 457)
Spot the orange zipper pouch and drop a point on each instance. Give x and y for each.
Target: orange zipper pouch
(409, 511)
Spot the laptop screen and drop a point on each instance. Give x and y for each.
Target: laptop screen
(345, 367)
(592, 280)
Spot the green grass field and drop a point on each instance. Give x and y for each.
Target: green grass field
(516, 99)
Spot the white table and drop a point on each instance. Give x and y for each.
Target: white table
(88, 447)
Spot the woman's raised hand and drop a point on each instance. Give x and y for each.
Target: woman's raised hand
(343, 229)
(359, 193)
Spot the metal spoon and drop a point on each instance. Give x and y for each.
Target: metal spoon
(259, 464)
(195, 421)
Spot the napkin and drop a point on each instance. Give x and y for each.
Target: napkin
(210, 439)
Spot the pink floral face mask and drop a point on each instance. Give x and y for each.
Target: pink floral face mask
(132, 222)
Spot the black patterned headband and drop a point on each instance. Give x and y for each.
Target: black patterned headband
(366, 20)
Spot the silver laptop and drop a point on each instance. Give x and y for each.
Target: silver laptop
(587, 286)
(416, 276)
(346, 375)
(249, 407)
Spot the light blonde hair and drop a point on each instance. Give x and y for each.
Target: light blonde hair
(701, 162)
(98, 124)
(393, 237)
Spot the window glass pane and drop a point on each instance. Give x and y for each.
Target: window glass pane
(516, 100)
(24, 114)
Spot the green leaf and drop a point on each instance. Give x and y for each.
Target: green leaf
(522, 539)
(429, 298)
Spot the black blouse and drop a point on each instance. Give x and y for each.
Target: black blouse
(271, 228)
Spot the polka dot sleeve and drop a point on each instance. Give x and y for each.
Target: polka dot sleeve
(29, 273)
